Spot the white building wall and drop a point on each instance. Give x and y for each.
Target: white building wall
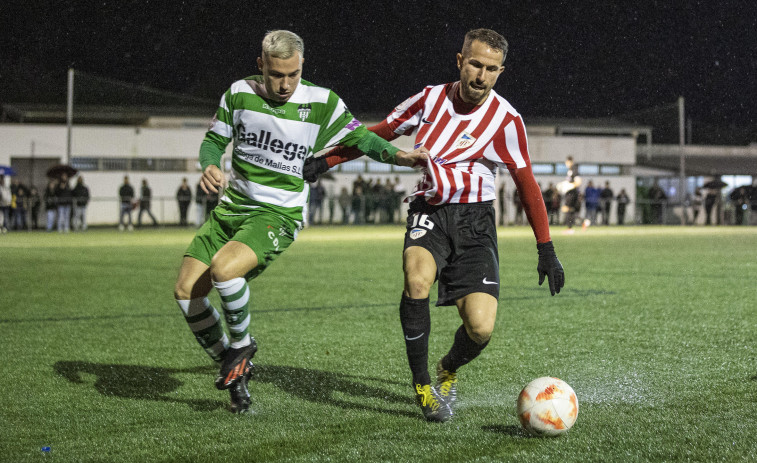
(49, 141)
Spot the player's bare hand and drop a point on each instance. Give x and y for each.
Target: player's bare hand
(417, 157)
(212, 179)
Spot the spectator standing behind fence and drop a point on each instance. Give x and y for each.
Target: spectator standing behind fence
(591, 202)
(518, 208)
(145, 203)
(18, 205)
(740, 199)
(126, 197)
(316, 202)
(711, 199)
(556, 200)
(184, 198)
(502, 202)
(81, 200)
(753, 202)
(657, 201)
(5, 204)
(605, 202)
(34, 205)
(65, 201)
(51, 204)
(552, 200)
(622, 201)
(697, 204)
(344, 204)
(358, 204)
(200, 199)
(572, 197)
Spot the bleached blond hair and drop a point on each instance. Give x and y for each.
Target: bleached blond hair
(283, 44)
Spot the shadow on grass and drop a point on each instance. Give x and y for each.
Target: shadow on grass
(510, 430)
(156, 383)
(135, 382)
(337, 389)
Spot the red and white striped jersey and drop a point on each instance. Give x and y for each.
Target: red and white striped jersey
(466, 149)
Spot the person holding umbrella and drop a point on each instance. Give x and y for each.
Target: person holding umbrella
(712, 199)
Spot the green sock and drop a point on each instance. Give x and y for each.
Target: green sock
(235, 300)
(205, 322)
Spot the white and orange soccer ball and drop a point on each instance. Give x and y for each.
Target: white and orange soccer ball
(547, 407)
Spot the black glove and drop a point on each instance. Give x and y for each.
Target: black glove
(313, 168)
(550, 267)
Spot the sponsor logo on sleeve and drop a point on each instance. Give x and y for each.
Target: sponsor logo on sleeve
(353, 125)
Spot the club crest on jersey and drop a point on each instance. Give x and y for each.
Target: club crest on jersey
(464, 141)
(304, 111)
(416, 233)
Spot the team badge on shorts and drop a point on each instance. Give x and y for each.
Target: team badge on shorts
(416, 233)
(464, 140)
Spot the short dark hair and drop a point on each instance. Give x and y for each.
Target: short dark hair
(489, 37)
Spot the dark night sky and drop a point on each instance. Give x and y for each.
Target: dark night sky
(566, 59)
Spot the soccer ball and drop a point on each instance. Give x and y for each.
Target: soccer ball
(547, 407)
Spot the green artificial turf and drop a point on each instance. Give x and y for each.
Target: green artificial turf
(655, 330)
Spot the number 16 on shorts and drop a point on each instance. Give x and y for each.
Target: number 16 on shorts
(421, 225)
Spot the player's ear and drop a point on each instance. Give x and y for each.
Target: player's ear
(260, 64)
(460, 61)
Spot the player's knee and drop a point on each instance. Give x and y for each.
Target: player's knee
(417, 287)
(223, 269)
(182, 290)
(480, 333)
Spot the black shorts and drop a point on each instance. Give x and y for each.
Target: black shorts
(463, 240)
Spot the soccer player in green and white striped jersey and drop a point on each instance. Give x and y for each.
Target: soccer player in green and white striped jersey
(275, 121)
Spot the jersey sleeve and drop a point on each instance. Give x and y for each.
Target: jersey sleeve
(406, 117)
(219, 134)
(342, 154)
(510, 145)
(343, 129)
(510, 148)
(403, 120)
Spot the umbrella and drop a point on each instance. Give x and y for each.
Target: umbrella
(57, 171)
(7, 170)
(714, 185)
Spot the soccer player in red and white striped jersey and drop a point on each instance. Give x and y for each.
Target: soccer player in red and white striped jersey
(469, 131)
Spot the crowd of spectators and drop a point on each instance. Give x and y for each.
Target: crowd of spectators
(65, 207)
(371, 201)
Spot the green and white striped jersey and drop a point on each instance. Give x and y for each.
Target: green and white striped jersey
(272, 140)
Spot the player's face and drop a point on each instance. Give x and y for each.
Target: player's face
(480, 66)
(281, 76)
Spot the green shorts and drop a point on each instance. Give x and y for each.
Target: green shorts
(268, 234)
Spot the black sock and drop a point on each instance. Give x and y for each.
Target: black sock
(416, 325)
(463, 350)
